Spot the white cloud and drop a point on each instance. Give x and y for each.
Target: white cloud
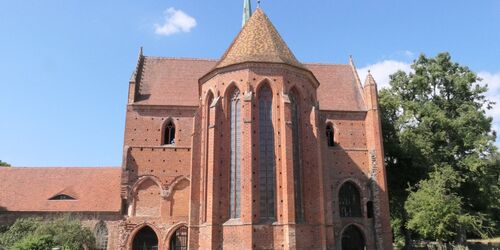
(382, 70)
(409, 54)
(496, 127)
(493, 94)
(175, 21)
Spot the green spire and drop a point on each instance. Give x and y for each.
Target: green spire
(247, 11)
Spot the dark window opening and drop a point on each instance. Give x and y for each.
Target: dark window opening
(267, 166)
(179, 240)
(169, 136)
(369, 209)
(297, 175)
(349, 201)
(235, 152)
(62, 197)
(124, 207)
(330, 135)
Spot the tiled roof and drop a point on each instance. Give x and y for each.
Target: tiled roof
(29, 189)
(174, 81)
(258, 41)
(171, 81)
(339, 88)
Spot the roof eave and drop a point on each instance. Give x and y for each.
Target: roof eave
(216, 70)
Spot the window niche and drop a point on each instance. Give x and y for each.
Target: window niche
(369, 209)
(169, 133)
(349, 200)
(235, 153)
(297, 166)
(267, 166)
(101, 236)
(62, 197)
(330, 135)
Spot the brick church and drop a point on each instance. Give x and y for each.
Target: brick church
(255, 150)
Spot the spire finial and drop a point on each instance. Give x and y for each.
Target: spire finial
(258, 3)
(247, 12)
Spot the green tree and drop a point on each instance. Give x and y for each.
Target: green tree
(4, 164)
(34, 242)
(18, 231)
(435, 118)
(435, 212)
(35, 233)
(67, 233)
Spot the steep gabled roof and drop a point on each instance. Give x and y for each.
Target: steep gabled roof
(339, 89)
(171, 81)
(258, 41)
(174, 81)
(31, 189)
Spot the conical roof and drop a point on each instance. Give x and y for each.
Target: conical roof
(258, 41)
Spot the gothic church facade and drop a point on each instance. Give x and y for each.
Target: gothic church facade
(253, 151)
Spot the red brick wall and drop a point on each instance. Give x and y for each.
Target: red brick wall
(156, 176)
(201, 157)
(147, 200)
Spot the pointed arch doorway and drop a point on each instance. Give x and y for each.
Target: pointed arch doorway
(145, 239)
(352, 239)
(179, 239)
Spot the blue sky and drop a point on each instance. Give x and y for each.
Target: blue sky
(66, 64)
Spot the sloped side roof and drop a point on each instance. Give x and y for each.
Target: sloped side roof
(258, 41)
(29, 189)
(339, 88)
(171, 81)
(174, 81)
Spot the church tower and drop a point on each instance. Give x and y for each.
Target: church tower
(259, 124)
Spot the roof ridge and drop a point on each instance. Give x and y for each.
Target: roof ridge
(215, 60)
(59, 167)
(325, 64)
(181, 58)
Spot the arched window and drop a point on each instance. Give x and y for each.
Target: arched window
(330, 135)
(267, 166)
(179, 240)
(349, 201)
(235, 152)
(101, 236)
(169, 135)
(297, 175)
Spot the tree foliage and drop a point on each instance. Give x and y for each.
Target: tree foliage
(436, 212)
(4, 164)
(434, 119)
(35, 233)
(34, 242)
